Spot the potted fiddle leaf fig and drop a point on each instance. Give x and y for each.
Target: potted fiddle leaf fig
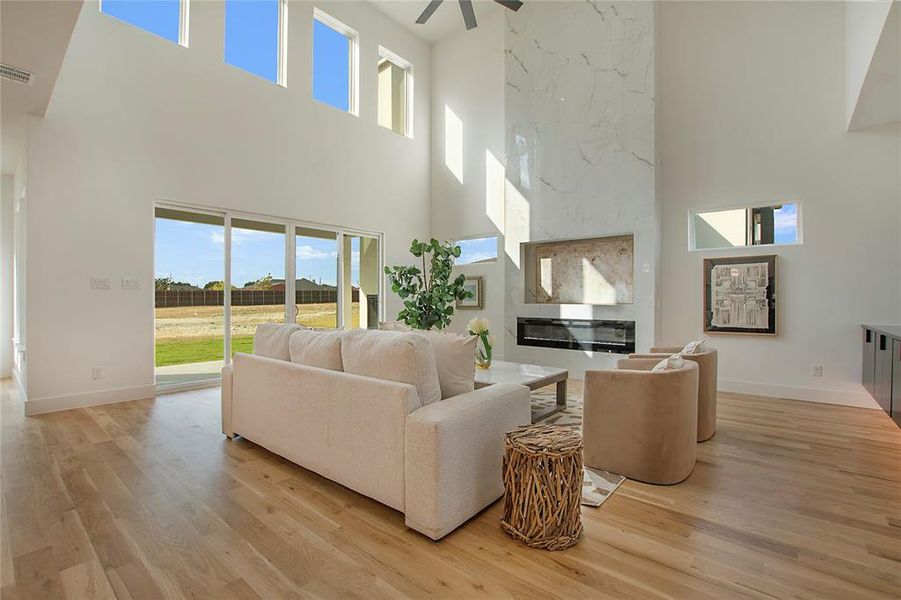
(428, 292)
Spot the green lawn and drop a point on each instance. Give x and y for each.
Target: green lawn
(175, 351)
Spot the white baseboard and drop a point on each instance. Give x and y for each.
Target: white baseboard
(36, 406)
(859, 399)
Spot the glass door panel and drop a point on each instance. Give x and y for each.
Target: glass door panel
(257, 279)
(189, 309)
(362, 274)
(316, 283)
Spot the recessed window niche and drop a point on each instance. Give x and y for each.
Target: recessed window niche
(597, 271)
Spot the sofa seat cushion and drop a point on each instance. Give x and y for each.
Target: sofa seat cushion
(394, 356)
(271, 340)
(455, 361)
(316, 349)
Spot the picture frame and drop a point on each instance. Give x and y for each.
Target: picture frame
(472, 284)
(740, 295)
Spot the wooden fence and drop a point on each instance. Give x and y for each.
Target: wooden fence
(175, 298)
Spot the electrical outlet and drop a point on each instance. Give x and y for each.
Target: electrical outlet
(131, 283)
(817, 371)
(100, 283)
(97, 373)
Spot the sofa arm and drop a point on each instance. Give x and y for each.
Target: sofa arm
(227, 380)
(453, 455)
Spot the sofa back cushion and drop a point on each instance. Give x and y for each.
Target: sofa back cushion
(455, 361)
(316, 349)
(271, 340)
(395, 356)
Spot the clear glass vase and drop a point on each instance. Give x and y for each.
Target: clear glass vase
(483, 354)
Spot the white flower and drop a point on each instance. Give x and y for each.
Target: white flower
(477, 326)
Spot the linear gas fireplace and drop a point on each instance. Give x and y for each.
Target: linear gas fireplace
(594, 335)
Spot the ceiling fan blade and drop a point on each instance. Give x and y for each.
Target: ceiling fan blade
(432, 7)
(469, 15)
(513, 5)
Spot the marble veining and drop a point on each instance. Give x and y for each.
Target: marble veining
(580, 154)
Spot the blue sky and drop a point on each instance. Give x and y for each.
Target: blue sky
(786, 224)
(156, 16)
(251, 36)
(195, 253)
(477, 250)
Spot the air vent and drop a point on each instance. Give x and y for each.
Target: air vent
(18, 75)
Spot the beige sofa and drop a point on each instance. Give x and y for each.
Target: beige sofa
(438, 463)
(707, 375)
(641, 423)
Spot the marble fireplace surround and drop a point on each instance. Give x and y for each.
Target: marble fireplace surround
(580, 157)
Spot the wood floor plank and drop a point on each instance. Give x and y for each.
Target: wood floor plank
(147, 499)
(86, 581)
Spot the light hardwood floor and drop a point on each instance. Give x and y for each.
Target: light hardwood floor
(147, 499)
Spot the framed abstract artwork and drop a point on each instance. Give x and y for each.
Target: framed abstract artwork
(740, 295)
(474, 285)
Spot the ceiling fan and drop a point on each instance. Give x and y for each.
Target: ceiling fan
(469, 16)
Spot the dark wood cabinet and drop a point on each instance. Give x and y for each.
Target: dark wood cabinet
(896, 381)
(881, 367)
(882, 386)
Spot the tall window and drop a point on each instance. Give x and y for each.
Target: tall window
(165, 18)
(254, 34)
(395, 86)
(334, 62)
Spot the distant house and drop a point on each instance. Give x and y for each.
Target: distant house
(301, 285)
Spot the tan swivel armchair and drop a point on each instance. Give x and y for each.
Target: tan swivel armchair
(639, 423)
(706, 385)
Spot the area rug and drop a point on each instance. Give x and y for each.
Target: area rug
(597, 485)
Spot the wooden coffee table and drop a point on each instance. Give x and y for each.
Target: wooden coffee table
(531, 376)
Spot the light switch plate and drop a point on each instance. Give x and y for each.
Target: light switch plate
(131, 283)
(100, 283)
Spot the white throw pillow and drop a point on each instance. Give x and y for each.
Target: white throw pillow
(271, 339)
(394, 326)
(455, 360)
(669, 363)
(393, 355)
(695, 347)
(316, 349)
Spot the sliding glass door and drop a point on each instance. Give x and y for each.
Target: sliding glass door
(188, 296)
(219, 275)
(257, 279)
(316, 284)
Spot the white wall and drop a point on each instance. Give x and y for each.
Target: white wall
(753, 107)
(7, 204)
(580, 153)
(134, 118)
(468, 79)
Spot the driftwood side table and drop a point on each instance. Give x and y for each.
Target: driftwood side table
(543, 486)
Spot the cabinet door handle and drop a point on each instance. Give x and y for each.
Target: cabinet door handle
(882, 339)
(869, 334)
